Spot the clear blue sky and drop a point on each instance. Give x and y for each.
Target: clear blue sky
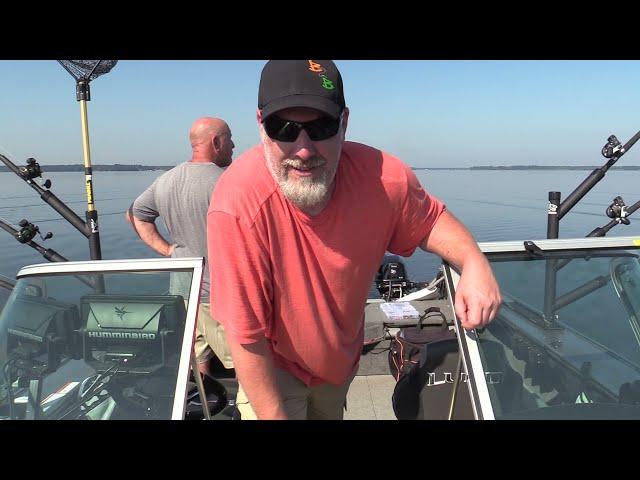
(429, 113)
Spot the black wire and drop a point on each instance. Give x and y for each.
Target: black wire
(7, 379)
(99, 376)
(95, 387)
(92, 389)
(81, 389)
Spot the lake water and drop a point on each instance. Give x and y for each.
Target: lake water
(495, 205)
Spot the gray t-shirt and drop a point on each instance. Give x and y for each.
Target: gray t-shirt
(181, 197)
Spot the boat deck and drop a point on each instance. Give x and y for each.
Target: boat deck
(369, 398)
(371, 391)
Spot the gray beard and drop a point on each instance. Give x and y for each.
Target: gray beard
(305, 192)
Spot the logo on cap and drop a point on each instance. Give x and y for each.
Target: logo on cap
(319, 69)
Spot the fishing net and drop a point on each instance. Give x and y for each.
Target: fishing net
(83, 70)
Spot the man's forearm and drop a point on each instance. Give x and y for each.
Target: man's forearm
(451, 240)
(477, 295)
(149, 234)
(254, 367)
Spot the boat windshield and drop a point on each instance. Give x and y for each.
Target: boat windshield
(6, 286)
(566, 341)
(94, 345)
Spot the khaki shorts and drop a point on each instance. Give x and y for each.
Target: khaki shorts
(322, 402)
(210, 338)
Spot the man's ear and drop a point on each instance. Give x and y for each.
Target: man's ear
(258, 115)
(216, 143)
(345, 120)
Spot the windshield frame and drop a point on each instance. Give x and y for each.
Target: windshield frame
(468, 340)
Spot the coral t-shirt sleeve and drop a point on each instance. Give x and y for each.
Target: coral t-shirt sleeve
(418, 214)
(240, 275)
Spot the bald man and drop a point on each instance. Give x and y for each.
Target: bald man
(181, 197)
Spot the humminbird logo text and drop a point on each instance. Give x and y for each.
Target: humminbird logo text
(131, 335)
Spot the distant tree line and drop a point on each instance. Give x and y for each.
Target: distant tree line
(118, 167)
(554, 167)
(531, 167)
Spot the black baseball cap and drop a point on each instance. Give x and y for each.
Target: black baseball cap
(301, 83)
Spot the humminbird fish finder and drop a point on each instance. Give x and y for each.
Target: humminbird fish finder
(136, 332)
(41, 335)
(41, 332)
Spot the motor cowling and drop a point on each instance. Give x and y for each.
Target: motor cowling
(391, 279)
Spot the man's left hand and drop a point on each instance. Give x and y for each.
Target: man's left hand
(477, 294)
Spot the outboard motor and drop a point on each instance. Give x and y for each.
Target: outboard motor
(391, 279)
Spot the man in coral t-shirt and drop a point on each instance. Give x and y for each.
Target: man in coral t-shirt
(297, 228)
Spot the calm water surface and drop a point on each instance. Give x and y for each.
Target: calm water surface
(495, 205)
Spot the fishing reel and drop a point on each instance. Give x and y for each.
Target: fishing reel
(618, 211)
(28, 231)
(32, 170)
(612, 147)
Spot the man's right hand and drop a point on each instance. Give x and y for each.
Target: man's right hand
(149, 234)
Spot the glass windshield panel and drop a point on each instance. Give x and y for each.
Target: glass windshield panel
(92, 346)
(566, 341)
(6, 286)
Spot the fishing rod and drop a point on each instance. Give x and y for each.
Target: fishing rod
(26, 234)
(612, 150)
(617, 211)
(28, 230)
(32, 171)
(83, 72)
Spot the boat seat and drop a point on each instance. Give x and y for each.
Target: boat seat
(425, 392)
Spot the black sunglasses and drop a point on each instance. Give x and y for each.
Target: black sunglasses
(287, 130)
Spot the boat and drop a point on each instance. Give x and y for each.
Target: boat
(564, 345)
(69, 352)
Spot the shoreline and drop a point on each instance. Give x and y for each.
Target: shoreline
(146, 168)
